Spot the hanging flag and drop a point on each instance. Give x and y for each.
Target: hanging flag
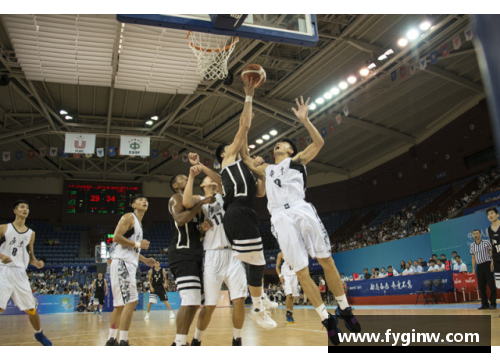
(6, 156)
(338, 118)
(111, 151)
(53, 151)
(433, 57)
(18, 155)
(469, 33)
(346, 110)
(165, 153)
(175, 154)
(423, 63)
(301, 142)
(76, 155)
(216, 164)
(64, 154)
(206, 162)
(457, 42)
(266, 159)
(31, 153)
(331, 126)
(134, 146)
(294, 140)
(393, 75)
(100, 152)
(43, 151)
(413, 69)
(185, 158)
(402, 71)
(323, 133)
(445, 50)
(88, 155)
(154, 153)
(79, 143)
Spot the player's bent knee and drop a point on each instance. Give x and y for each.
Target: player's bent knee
(31, 311)
(255, 273)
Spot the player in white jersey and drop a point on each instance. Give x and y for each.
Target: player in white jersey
(297, 226)
(291, 285)
(16, 252)
(219, 263)
(125, 255)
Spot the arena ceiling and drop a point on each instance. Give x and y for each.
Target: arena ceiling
(77, 63)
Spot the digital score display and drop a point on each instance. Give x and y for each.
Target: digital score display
(98, 198)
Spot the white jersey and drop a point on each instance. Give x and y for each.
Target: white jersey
(215, 237)
(131, 254)
(285, 184)
(286, 269)
(15, 247)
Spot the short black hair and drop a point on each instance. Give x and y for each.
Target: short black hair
(434, 255)
(135, 197)
(220, 150)
(377, 269)
(454, 252)
(432, 261)
(443, 255)
(173, 180)
(477, 230)
(20, 202)
(390, 266)
(458, 256)
(494, 209)
(290, 142)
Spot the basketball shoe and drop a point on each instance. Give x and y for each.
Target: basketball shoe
(112, 342)
(331, 328)
(262, 318)
(40, 337)
(350, 320)
(267, 303)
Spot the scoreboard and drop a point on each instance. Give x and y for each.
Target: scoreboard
(99, 198)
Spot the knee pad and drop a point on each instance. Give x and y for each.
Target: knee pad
(255, 275)
(31, 311)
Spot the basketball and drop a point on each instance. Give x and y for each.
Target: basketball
(254, 72)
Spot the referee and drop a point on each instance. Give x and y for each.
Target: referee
(481, 252)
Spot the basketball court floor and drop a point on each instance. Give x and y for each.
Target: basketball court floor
(85, 329)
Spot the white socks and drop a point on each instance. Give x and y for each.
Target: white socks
(180, 339)
(123, 336)
(112, 333)
(342, 302)
(322, 312)
(198, 334)
(257, 303)
(237, 333)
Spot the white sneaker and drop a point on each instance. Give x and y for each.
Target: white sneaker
(268, 304)
(172, 315)
(147, 317)
(263, 319)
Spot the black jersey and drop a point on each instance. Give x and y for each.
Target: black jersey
(238, 184)
(99, 286)
(495, 242)
(157, 278)
(185, 244)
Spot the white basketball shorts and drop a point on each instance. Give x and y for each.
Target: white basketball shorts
(14, 283)
(291, 285)
(300, 233)
(222, 266)
(123, 282)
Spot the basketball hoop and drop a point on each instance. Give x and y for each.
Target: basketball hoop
(212, 52)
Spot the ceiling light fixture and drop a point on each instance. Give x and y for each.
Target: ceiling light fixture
(266, 137)
(273, 132)
(342, 85)
(364, 72)
(259, 141)
(425, 25)
(402, 42)
(352, 79)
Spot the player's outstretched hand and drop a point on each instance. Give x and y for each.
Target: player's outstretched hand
(282, 281)
(302, 109)
(257, 161)
(206, 225)
(145, 244)
(39, 264)
(151, 289)
(194, 158)
(249, 86)
(208, 200)
(5, 259)
(150, 262)
(195, 170)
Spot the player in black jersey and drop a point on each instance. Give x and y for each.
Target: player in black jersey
(494, 235)
(240, 220)
(185, 255)
(157, 278)
(101, 291)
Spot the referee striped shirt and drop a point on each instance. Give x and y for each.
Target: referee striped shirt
(481, 251)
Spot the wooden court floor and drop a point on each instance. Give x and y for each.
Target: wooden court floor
(88, 330)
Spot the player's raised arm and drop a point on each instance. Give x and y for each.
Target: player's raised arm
(188, 199)
(313, 149)
(180, 214)
(194, 158)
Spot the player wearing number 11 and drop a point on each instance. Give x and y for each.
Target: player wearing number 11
(16, 253)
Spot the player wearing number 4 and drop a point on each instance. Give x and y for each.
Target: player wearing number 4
(16, 253)
(219, 263)
(297, 226)
(125, 255)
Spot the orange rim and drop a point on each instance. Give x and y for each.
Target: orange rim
(210, 50)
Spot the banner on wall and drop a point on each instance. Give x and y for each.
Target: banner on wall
(79, 143)
(173, 299)
(482, 208)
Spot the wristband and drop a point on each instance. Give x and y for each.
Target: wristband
(138, 244)
(281, 275)
(248, 99)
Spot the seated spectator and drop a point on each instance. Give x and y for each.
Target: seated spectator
(433, 267)
(343, 278)
(417, 269)
(434, 257)
(402, 266)
(80, 308)
(443, 259)
(56, 242)
(392, 272)
(420, 262)
(366, 274)
(453, 258)
(408, 270)
(459, 265)
(376, 273)
(440, 266)
(383, 273)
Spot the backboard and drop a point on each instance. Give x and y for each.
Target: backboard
(296, 29)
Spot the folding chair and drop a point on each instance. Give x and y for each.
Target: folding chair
(425, 290)
(437, 288)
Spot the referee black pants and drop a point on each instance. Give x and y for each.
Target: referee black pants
(486, 276)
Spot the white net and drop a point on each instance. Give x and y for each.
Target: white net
(213, 52)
